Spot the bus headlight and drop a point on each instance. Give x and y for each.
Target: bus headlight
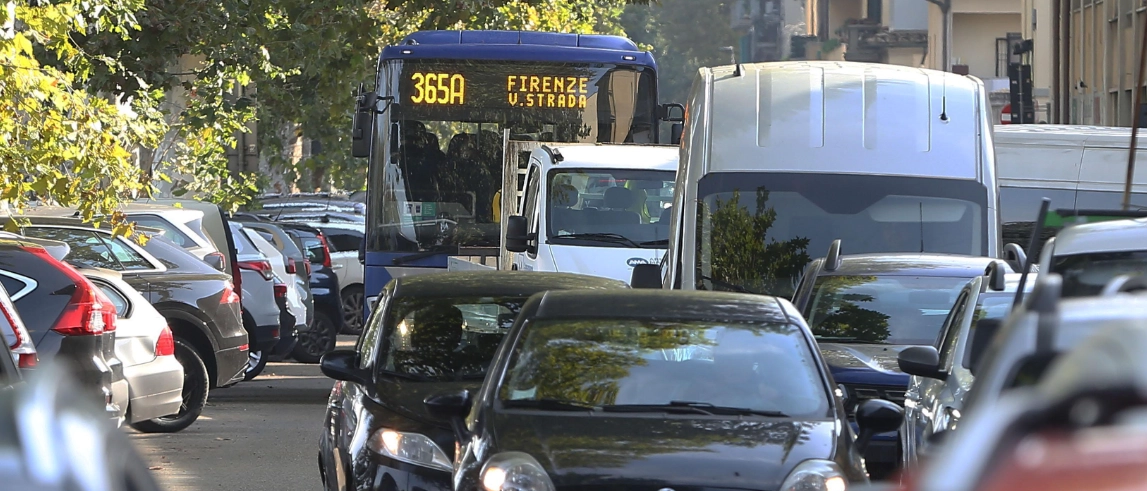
(515, 471)
(412, 448)
(815, 475)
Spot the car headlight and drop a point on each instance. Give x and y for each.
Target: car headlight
(515, 471)
(409, 447)
(815, 475)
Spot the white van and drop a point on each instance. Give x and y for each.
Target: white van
(593, 209)
(1077, 167)
(779, 159)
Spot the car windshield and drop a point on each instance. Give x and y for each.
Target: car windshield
(881, 309)
(596, 363)
(756, 231)
(446, 338)
(610, 208)
(1085, 275)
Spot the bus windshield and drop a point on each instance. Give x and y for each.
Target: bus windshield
(610, 207)
(756, 231)
(449, 118)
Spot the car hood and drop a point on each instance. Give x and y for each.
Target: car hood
(865, 363)
(651, 452)
(608, 262)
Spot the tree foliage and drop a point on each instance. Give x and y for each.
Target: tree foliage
(740, 253)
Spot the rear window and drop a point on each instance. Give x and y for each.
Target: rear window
(343, 240)
(166, 229)
(89, 250)
(243, 244)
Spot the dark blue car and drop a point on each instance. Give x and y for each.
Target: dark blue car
(325, 290)
(865, 308)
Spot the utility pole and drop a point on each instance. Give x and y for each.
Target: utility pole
(945, 33)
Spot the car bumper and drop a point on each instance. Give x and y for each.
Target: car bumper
(232, 363)
(85, 358)
(400, 476)
(286, 343)
(156, 388)
(264, 337)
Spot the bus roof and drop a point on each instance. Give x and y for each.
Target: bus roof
(821, 116)
(617, 156)
(519, 46)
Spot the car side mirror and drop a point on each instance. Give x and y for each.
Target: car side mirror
(646, 276)
(922, 361)
(875, 416)
(517, 236)
(215, 260)
(343, 365)
(451, 406)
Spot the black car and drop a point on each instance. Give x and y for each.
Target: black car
(67, 317)
(866, 308)
(198, 301)
(322, 336)
(427, 334)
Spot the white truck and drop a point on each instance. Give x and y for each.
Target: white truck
(593, 209)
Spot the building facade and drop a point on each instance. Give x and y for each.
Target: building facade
(1097, 54)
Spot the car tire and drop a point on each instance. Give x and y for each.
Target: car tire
(352, 298)
(196, 384)
(317, 341)
(256, 362)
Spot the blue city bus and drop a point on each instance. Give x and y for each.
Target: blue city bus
(445, 104)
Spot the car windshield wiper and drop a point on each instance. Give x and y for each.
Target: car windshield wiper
(602, 237)
(548, 404)
(846, 340)
(727, 285)
(693, 407)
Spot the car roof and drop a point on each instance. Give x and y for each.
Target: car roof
(910, 264)
(1107, 236)
(496, 283)
(617, 156)
(661, 305)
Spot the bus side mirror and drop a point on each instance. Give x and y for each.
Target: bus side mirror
(362, 133)
(675, 133)
(517, 238)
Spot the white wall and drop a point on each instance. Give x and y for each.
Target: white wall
(974, 40)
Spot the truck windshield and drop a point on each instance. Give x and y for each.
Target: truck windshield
(1085, 275)
(610, 207)
(756, 231)
(881, 309)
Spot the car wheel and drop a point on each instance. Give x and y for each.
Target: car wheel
(352, 310)
(256, 362)
(316, 342)
(196, 384)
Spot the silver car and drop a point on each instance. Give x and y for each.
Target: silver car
(144, 343)
(260, 308)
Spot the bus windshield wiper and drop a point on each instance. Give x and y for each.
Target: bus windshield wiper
(602, 237)
(725, 284)
(548, 404)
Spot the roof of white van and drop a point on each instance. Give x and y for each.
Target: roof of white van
(618, 156)
(826, 116)
(1110, 236)
(1066, 135)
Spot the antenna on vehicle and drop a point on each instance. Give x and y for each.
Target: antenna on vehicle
(1036, 233)
(832, 259)
(921, 227)
(944, 100)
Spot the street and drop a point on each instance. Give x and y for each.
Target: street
(258, 435)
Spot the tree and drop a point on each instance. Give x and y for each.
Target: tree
(685, 35)
(58, 140)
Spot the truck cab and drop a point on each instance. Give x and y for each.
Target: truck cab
(593, 209)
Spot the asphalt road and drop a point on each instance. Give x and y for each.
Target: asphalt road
(260, 435)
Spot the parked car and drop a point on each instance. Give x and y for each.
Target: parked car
(16, 337)
(866, 308)
(55, 439)
(296, 300)
(1089, 255)
(429, 333)
(215, 226)
(943, 372)
(70, 321)
(200, 304)
(260, 310)
(296, 262)
(344, 240)
(146, 347)
(719, 390)
(325, 292)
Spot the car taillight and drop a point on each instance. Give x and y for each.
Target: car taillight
(280, 290)
(89, 311)
(263, 266)
(326, 251)
(229, 295)
(291, 269)
(23, 351)
(165, 346)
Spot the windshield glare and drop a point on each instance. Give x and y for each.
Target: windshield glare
(631, 203)
(757, 231)
(767, 367)
(1085, 275)
(882, 309)
(448, 338)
